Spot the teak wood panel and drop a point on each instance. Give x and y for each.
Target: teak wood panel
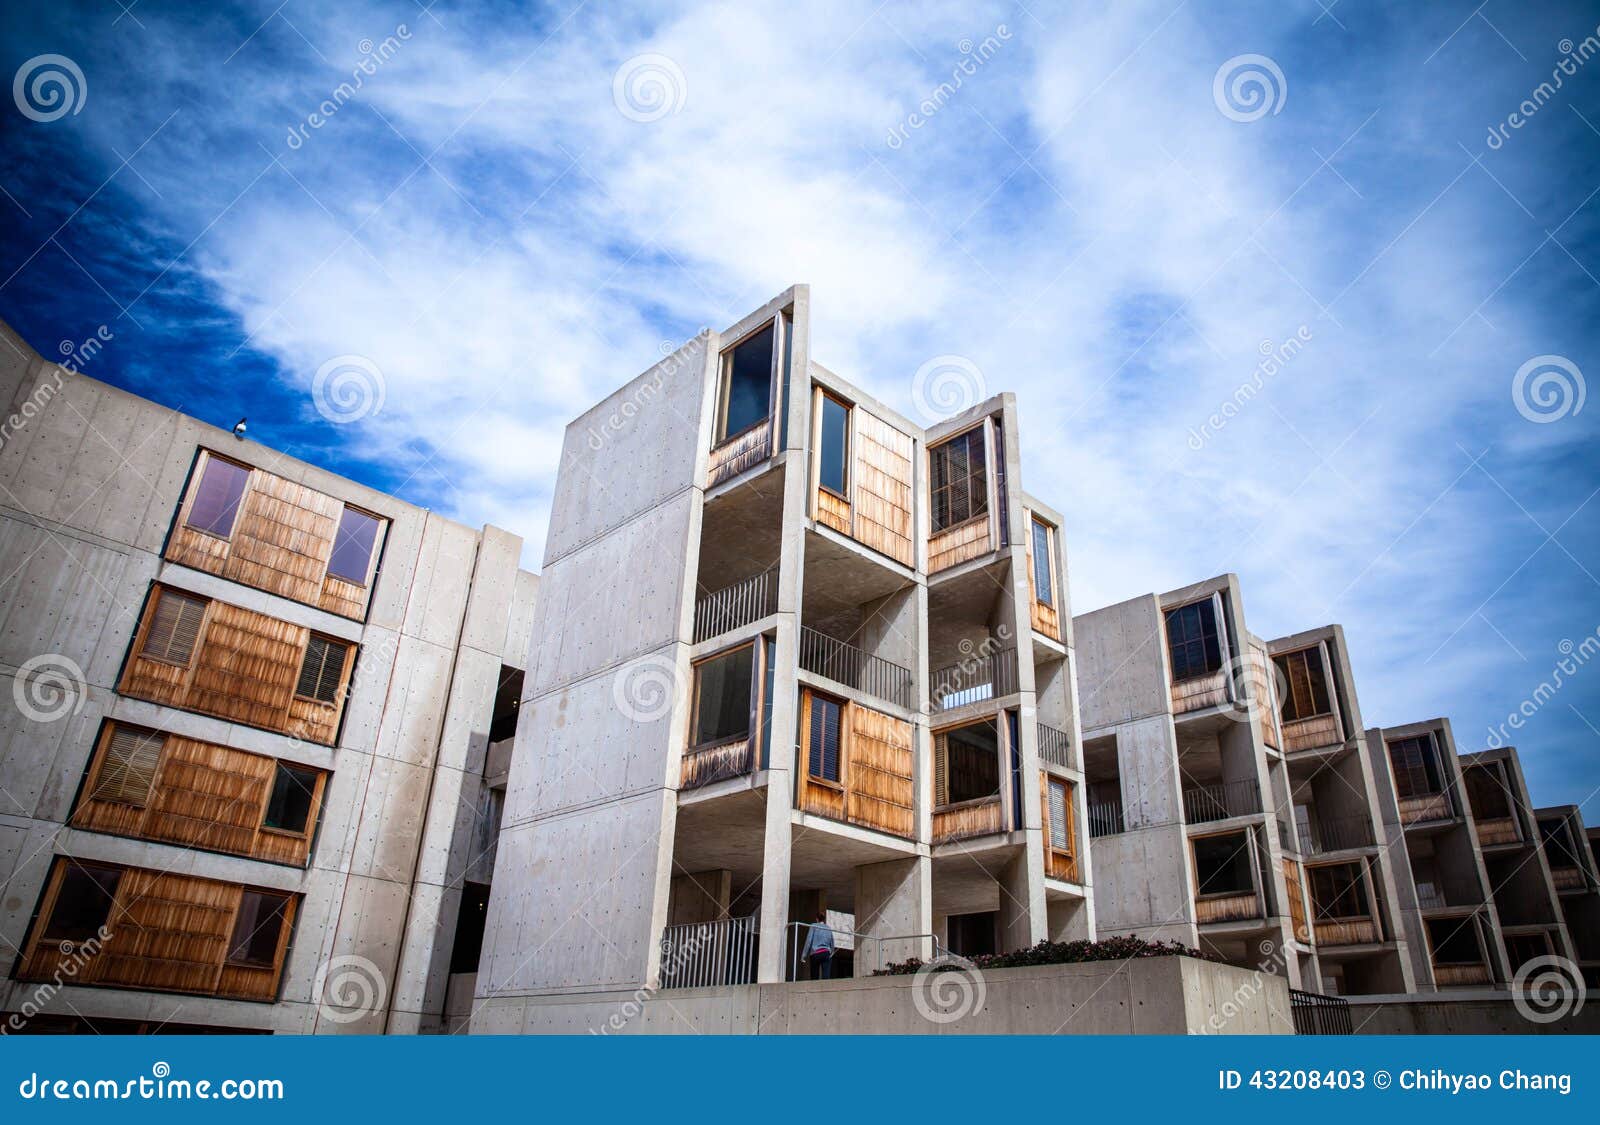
(1200, 692)
(167, 933)
(739, 453)
(1227, 908)
(202, 795)
(1311, 734)
(960, 544)
(833, 511)
(1500, 830)
(1448, 976)
(1059, 863)
(281, 542)
(883, 488)
(1045, 618)
(1347, 931)
(1429, 806)
(875, 788)
(1263, 695)
(1297, 899)
(982, 817)
(244, 667)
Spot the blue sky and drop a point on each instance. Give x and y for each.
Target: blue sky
(1085, 221)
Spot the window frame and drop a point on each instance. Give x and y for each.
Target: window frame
(811, 696)
(52, 899)
(720, 434)
(981, 430)
(186, 511)
(1248, 836)
(1219, 635)
(941, 748)
(1311, 657)
(752, 721)
(825, 396)
(285, 925)
(1068, 791)
(1359, 881)
(1045, 593)
(378, 536)
(1430, 753)
(102, 750)
(341, 688)
(313, 809)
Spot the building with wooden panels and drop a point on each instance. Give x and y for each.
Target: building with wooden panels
(263, 724)
(814, 660)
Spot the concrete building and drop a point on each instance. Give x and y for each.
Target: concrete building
(256, 714)
(1229, 804)
(799, 655)
(1577, 882)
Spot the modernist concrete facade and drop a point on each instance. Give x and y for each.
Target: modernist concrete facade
(798, 654)
(247, 725)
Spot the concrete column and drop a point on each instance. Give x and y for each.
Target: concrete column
(1022, 905)
(894, 912)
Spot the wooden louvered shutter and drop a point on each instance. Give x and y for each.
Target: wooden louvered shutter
(174, 627)
(321, 670)
(824, 748)
(1059, 837)
(941, 772)
(129, 768)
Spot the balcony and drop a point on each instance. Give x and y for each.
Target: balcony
(1199, 692)
(1241, 906)
(1055, 747)
(1105, 819)
(1312, 733)
(1426, 808)
(1222, 801)
(1347, 931)
(982, 817)
(1569, 878)
(1333, 834)
(980, 676)
(832, 659)
(707, 954)
(736, 606)
(718, 761)
(1498, 830)
(739, 453)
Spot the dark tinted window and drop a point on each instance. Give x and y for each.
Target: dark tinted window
(1338, 892)
(1222, 865)
(1416, 771)
(1454, 941)
(322, 670)
(352, 547)
(824, 742)
(469, 928)
(256, 929)
(972, 762)
(1307, 684)
(834, 454)
(289, 807)
(1043, 587)
(216, 500)
(83, 904)
(747, 383)
(959, 479)
(722, 697)
(1192, 640)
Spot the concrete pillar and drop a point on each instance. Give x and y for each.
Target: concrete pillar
(894, 912)
(1022, 905)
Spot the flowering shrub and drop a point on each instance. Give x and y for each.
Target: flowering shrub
(1124, 948)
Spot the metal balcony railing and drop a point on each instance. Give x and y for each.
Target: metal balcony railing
(976, 678)
(1105, 819)
(704, 954)
(822, 655)
(1055, 747)
(1315, 1014)
(1222, 801)
(736, 606)
(1437, 894)
(1335, 834)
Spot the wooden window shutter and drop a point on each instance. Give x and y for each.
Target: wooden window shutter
(1059, 837)
(174, 627)
(824, 748)
(941, 773)
(128, 770)
(322, 670)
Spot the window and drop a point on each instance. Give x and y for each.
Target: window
(746, 396)
(833, 455)
(128, 767)
(1488, 793)
(1222, 865)
(322, 672)
(1454, 941)
(352, 546)
(1307, 681)
(217, 495)
(966, 764)
(1416, 770)
(257, 929)
(1192, 640)
(1060, 795)
(1522, 948)
(722, 697)
(83, 903)
(1558, 844)
(174, 627)
(1044, 590)
(973, 935)
(289, 807)
(470, 921)
(1339, 891)
(823, 745)
(959, 480)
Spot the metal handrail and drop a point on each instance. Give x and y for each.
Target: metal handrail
(1105, 819)
(1055, 746)
(1334, 834)
(1222, 801)
(703, 954)
(972, 680)
(735, 606)
(1316, 1014)
(795, 937)
(844, 663)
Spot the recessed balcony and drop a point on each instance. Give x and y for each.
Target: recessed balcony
(1203, 804)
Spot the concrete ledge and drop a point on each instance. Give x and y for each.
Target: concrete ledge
(1476, 1012)
(1148, 996)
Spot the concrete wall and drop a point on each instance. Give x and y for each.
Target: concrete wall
(1150, 996)
(1479, 1013)
(90, 482)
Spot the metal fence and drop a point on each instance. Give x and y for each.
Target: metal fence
(1222, 801)
(736, 606)
(1316, 1014)
(1054, 746)
(973, 680)
(703, 954)
(1335, 834)
(1105, 819)
(822, 655)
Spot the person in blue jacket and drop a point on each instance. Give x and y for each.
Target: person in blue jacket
(819, 948)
